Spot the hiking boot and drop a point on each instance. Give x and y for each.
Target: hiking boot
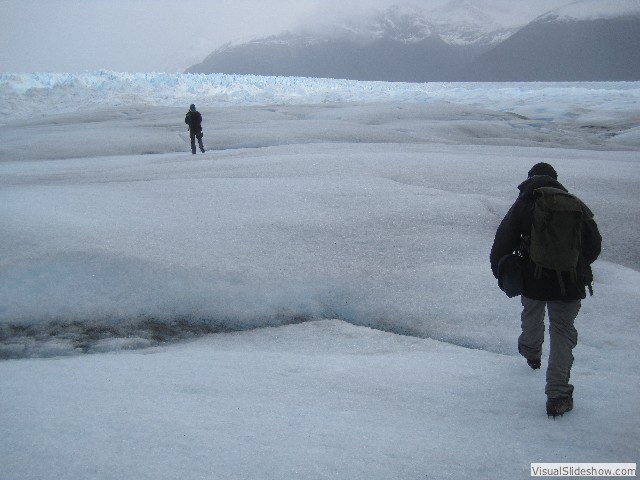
(556, 407)
(536, 363)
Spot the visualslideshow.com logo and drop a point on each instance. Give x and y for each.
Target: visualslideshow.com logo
(583, 469)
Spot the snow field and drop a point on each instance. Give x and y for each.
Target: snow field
(349, 242)
(316, 400)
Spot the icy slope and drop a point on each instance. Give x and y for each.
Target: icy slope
(379, 212)
(320, 400)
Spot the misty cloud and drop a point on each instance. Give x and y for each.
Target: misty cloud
(155, 35)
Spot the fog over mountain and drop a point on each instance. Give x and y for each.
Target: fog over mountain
(397, 44)
(583, 41)
(580, 42)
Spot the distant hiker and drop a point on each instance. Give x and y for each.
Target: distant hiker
(557, 240)
(194, 120)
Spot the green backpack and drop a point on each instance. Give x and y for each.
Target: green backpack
(556, 233)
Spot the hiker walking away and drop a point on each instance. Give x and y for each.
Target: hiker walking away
(558, 241)
(194, 120)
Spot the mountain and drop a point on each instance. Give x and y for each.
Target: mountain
(588, 40)
(464, 22)
(430, 59)
(399, 44)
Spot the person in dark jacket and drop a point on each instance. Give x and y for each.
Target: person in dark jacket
(194, 120)
(544, 291)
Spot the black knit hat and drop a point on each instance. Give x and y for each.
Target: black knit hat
(543, 169)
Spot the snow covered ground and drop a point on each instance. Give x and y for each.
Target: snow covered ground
(309, 299)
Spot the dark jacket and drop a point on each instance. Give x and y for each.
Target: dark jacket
(194, 120)
(517, 224)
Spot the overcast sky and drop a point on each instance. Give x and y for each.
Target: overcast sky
(170, 35)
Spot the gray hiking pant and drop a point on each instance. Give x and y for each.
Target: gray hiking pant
(194, 135)
(562, 335)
